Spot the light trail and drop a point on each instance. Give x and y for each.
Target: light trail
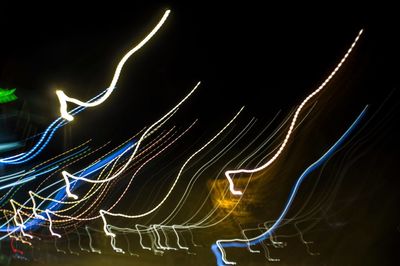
(61, 195)
(64, 98)
(230, 173)
(51, 224)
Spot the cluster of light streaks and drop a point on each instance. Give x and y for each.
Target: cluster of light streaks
(66, 199)
(69, 116)
(102, 212)
(23, 177)
(218, 248)
(158, 233)
(67, 175)
(64, 98)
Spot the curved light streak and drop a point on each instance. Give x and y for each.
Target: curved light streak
(230, 173)
(63, 98)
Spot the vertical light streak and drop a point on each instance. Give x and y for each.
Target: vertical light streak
(114, 247)
(94, 250)
(79, 241)
(178, 239)
(129, 246)
(141, 238)
(158, 237)
(47, 211)
(31, 195)
(58, 250)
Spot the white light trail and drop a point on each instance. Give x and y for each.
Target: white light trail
(230, 173)
(63, 98)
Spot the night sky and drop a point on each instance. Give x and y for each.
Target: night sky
(265, 58)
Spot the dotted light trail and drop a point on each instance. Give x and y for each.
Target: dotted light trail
(230, 173)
